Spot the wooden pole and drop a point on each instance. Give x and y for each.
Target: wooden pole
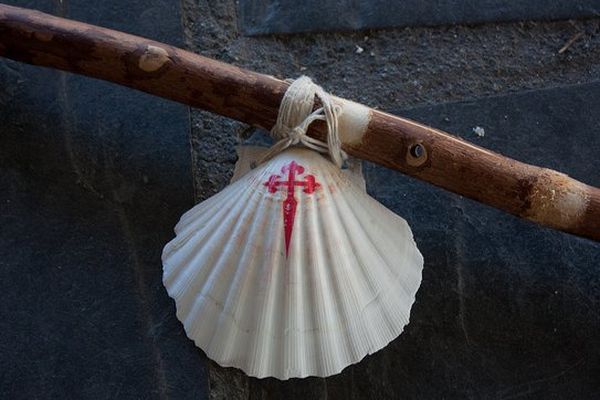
(538, 194)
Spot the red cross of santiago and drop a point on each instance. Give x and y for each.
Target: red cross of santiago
(289, 204)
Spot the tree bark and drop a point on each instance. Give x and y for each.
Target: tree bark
(541, 195)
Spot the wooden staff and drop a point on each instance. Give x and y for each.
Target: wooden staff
(538, 194)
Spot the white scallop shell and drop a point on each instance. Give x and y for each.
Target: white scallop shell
(343, 291)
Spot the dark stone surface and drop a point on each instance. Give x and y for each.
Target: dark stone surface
(93, 178)
(259, 17)
(507, 309)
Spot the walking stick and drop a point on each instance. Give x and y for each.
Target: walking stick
(539, 194)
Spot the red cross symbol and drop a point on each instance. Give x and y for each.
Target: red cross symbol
(289, 204)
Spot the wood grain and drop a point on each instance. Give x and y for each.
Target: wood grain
(538, 194)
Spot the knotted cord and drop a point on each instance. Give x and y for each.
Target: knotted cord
(295, 116)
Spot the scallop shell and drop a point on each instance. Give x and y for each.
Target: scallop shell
(292, 270)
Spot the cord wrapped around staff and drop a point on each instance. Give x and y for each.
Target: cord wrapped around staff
(295, 116)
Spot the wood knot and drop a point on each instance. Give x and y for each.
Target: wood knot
(416, 154)
(153, 59)
(557, 200)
